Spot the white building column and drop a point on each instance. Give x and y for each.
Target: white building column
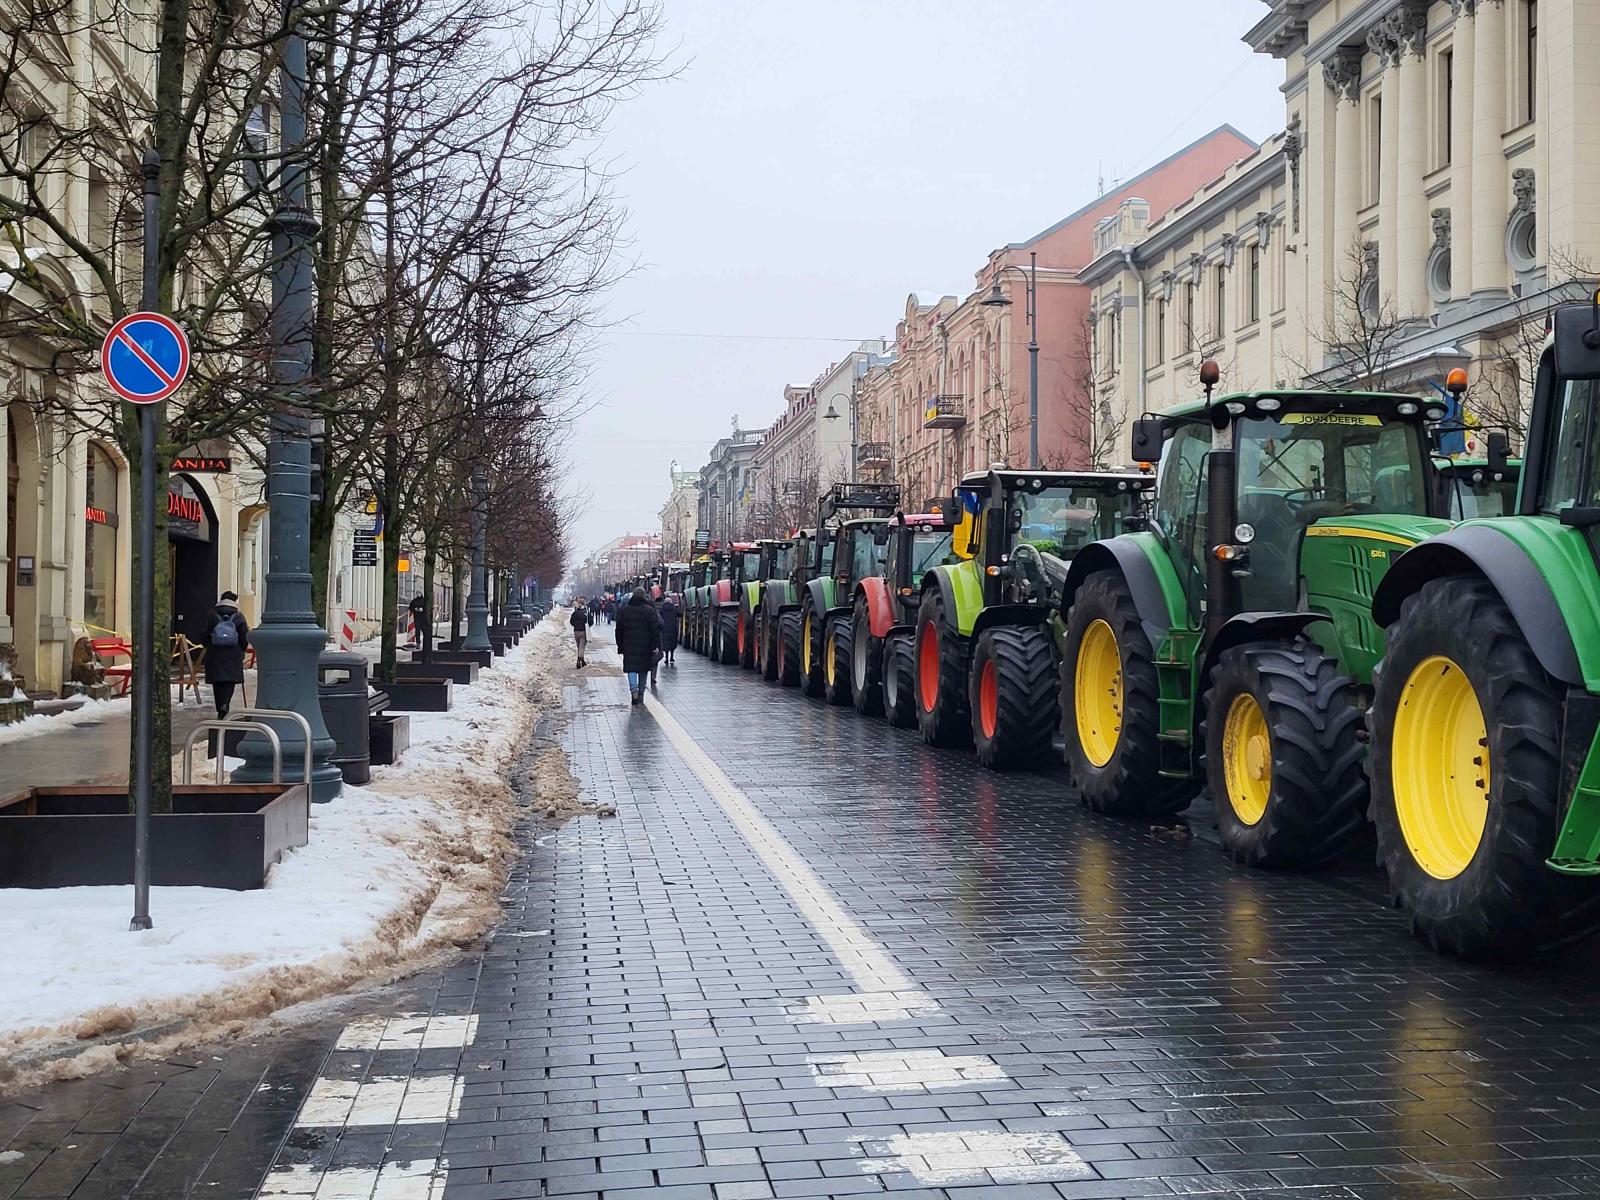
(1409, 26)
(1342, 73)
(1490, 177)
(1464, 66)
(1389, 174)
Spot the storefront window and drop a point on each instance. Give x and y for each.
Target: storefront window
(100, 539)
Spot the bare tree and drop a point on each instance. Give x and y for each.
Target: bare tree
(1361, 339)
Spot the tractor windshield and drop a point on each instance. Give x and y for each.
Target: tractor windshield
(782, 561)
(867, 553)
(750, 564)
(827, 558)
(929, 548)
(1063, 520)
(1469, 492)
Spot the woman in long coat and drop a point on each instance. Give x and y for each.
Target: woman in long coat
(225, 662)
(638, 639)
(669, 628)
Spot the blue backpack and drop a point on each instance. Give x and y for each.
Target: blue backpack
(225, 633)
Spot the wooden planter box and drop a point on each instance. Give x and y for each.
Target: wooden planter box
(220, 837)
(512, 633)
(419, 695)
(390, 737)
(483, 659)
(455, 672)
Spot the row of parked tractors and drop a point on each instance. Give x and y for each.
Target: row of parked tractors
(1298, 613)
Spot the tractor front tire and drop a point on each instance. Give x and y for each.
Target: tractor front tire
(728, 637)
(1109, 706)
(900, 681)
(941, 677)
(789, 649)
(866, 663)
(1013, 696)
(747, 639)
(1466, 779)
(1283, 760)
(811, 644)
(836, 666)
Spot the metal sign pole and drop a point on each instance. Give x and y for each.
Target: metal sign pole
(144, 636)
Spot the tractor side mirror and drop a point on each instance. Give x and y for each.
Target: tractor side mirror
(1577, 342)
(1148, 435)
(1497, 451)
(1135, 523)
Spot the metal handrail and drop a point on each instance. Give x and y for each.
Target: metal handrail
(281, 714)
(224, 727)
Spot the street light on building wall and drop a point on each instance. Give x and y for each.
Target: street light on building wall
(998, 299)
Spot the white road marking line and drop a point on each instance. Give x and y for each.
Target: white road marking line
(422, 1179)
(410, 1031)
(863, 1008)
(381, 1101)
(905, 1070)
(975, 1156)
(869, 965)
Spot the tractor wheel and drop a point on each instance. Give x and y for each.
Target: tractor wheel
(747, 639)
(1283, 763)
(811, 680)
(768, 649)
(728, 637)
(836, 662)
(789, 649)
(1109, 713)
(900, 681)
(866, 663)
(1466, 779)
(1013, 696)
(941, 677)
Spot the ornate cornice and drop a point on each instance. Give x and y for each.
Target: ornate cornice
(1341, 71)
(1402, 31)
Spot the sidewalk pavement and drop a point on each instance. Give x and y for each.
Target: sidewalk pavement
(88, 750)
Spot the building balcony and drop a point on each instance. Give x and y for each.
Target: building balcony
(794, 489)
(872, 454)
(944, 412)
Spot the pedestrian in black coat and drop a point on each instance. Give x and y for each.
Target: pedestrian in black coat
(225, 651)
(669, 628)
(638, 639)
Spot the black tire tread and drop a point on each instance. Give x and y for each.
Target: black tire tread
(947, 724)
(1026, 682)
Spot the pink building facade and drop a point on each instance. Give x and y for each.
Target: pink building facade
(954, 398)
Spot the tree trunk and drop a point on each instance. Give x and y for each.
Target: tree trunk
(392, 530)
(427, 596)
(455, 596)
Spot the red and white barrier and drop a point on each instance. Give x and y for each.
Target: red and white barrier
(347, 629)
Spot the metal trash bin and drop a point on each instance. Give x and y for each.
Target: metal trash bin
(342, 693)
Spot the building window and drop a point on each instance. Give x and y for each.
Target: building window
(1530, 57)
(1116, 338)
(100, 540)
(1188, 316)
(1255, 283)
(1161, 332)
(1222, 301)
(1447, 107)
(1522, 241)
(1374, 145)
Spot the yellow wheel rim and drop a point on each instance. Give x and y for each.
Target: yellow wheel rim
(1097, 693)
(1440, 767)
(829, 667)
(1247, 759)
(805, 645)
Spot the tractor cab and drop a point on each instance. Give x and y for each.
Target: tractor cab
(918, 542)
(1476, 487)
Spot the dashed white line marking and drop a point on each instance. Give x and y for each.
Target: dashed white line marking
(975, 1156)
(905, 1070)
(410, 1031)
(381, 1101)
(422, 1179)
(863, 1008)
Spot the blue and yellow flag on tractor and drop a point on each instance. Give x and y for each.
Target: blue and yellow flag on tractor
(966, 530)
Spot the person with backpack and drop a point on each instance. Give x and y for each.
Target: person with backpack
(225, 642)
(580, 621)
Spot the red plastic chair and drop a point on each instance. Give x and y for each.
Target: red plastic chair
(107, 649)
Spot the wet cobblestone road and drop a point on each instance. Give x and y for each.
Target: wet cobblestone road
(811, 957)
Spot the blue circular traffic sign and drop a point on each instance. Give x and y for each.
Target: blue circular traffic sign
(145, 357)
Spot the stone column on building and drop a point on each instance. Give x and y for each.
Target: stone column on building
(1464, 73)
(1408, 26)
(1342, 73)
(1490, 175)
(1383, 43)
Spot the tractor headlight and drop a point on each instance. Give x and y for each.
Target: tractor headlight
(1268, 404)
(1406, 409)
(1244, 532)
(1235, 408)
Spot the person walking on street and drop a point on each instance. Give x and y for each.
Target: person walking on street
(225, 641)
(638, 639)
(669, 628)
(580, 628)
(418, 608)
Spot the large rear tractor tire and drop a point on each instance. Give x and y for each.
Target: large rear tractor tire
(811, 667)
(836, 664)
(866, 662)
(1109, 711)
(1466, 779)
(1283, 761)
(1012, 695)
(747, 639)
(789, 655)
(941, 675)
(728, 636)
(900, 681)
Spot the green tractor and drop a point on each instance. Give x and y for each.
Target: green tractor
(704, 573)
(884, 616)
(986, 645)
(843, 549)
(1485, 756)
(762, 599)
(1231, 644)
(727, 629)
(1474, 487)
(812, 558)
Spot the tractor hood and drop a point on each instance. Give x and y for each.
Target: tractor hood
(1400, 530)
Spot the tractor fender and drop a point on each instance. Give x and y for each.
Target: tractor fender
(1507, 568)
(1020, 615)
(880, 613)
(898, 630)
(752, 596)
(817, 593)
(1254, 627)
(1126, 556)
(961, 590)
(723, 593)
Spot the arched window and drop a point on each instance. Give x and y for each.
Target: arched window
(101, 519)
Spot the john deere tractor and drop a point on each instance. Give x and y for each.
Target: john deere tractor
(728, 636)
(884, 614)
(1231, 644)
(1475, 487)
(1485, 756)
(985, 646)
(844, 542)
(762, 599)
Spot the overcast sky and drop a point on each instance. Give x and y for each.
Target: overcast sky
(816, 160)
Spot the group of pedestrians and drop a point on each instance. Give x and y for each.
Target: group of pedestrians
(647, 634)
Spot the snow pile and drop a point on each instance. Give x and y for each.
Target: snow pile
(406, 865)
(89, 713)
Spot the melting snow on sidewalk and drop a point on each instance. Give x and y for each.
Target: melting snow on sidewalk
(407, 864)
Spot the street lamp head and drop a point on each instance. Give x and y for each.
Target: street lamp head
(996, 298)
(832, 414)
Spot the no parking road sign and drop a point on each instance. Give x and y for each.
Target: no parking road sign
(145, 357)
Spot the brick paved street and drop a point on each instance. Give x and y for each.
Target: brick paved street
(811, 957)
